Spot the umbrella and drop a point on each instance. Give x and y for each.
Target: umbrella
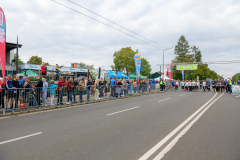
(29, 73)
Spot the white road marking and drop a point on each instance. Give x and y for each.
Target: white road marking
(182, 95)
(175, 140)
(20, 138)
(122, 111)
(164, 99)
(164, 140)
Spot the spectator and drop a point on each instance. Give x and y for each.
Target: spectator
(106, 87)
(75, 86)
(130, 87)
(69, 90)
(44, 92)
(81, 87)
(127, 86)
(60, 84)
(20, 91)
(58, 71)
(134, 86)
(39, 87)
(16, 87)
(26, 87)
(96, 87)
(101, 88)
(89, 85)
(10, 91)
(113, 87)
(119, 87)
(92, 88)
(44, 69)
(52, 88)
(153, 84)
(2, 93)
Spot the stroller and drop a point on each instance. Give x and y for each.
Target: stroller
(32, 99)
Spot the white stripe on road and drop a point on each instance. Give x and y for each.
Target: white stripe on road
(175, 140)
(122, 111)
(20, 138)
(164, 99)
(164, 140)
(182, 95)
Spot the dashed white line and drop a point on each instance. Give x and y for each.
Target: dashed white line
(182, 95)
(16, 139)
(122, 111)
(164, 99)
(164, 140)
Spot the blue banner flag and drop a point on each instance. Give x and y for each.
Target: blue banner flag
(137, 60)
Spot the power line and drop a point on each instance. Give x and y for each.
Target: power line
(116, 23)
(105, 24)
(213, 62)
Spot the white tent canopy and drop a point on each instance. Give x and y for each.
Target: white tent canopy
(165, 78)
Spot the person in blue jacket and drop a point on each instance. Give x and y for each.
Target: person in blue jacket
(52, 89)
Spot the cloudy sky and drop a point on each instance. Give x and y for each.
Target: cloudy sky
(60, 35)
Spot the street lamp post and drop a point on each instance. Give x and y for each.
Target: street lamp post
(163, 59)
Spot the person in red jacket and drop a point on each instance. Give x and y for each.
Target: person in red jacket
(43, 69)
(60, 88)
(69, 90)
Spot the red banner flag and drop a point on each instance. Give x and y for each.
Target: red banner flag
(2, 42)
(169, 69)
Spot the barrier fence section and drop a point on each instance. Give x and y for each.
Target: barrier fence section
(236, 90)
(13, 100)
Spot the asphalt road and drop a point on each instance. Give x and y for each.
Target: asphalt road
(169, 126)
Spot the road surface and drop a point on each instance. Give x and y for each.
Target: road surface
(168, 126)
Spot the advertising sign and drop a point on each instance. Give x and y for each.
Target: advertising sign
(187, 67)
(137, 60)
(2, 42)
(169, 69)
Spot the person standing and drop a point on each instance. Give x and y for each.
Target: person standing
(204, 86)
(16, 87)
(134, 86)
(75, 86)
(2, 93)
(10, 91)
(214, 85)
(119, 87)
(43, 69)
(177, 84)
(101, 88)
(52, 87)
(58, 71)
(38, 89)
(96, 87)
(113, 87)
(60, 88)
(153, 84)
(230, 85)
(89, 85)
(162, 84)
(26, 87)
(81, 87)
(44, 92)
(69, 90)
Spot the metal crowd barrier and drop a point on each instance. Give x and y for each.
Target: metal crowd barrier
(14, 100)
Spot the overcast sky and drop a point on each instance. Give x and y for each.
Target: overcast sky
(62, 36)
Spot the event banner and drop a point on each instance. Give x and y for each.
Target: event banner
(2, 42)
(236, 89)
(137, 60)
(169, 69)
(187, 67)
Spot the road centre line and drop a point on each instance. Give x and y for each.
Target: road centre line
(182, 95)
(175, 140)
(122, 111)
(20, 138)
(164, 99)
(164, 140)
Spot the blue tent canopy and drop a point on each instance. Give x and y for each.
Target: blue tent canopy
(121, 75)
(112, 74)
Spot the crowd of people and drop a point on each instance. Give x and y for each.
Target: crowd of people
(18, 90)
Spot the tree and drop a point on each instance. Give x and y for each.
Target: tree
(182, 47)
(145, 67)
(35, 60)
(124, 60)
(197, 54)
(19, 60)
(203, 72)
(86, 66)
(236, 77)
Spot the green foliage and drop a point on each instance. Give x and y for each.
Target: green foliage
(94, 75)
(178, 74)
(236, 77)
(182, 47)
(19, 60)
(86, 66)
(197, 55)
(35, 60)
(145, 67)
(123, 60)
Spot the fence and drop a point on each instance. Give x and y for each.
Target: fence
(13, 100)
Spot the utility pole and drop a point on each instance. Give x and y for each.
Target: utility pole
(17, 58)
